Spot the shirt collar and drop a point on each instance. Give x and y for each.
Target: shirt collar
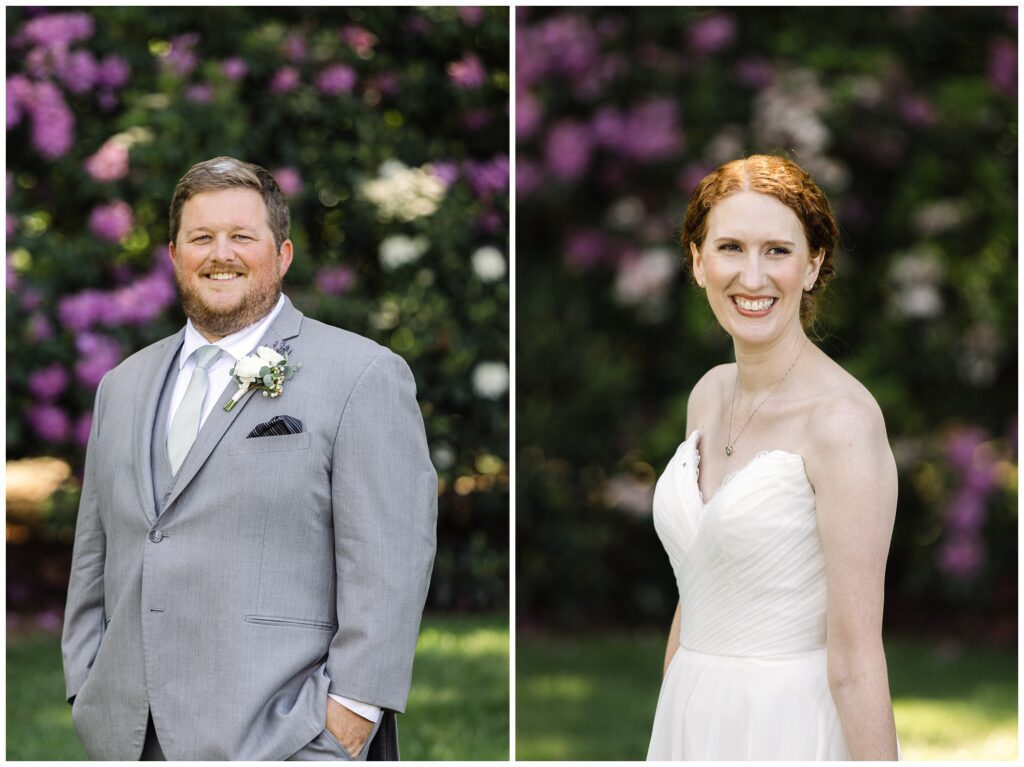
(238, 344)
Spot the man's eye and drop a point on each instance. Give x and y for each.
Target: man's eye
(201, 238)
(242, 237)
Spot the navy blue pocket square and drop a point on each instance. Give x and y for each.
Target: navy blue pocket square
(279, 425)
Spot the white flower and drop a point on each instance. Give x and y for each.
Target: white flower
(269, 356)
(399, 250)
(443, 456)
(646, 278)
(490, 379)
(488, 263)
(248, 368)
(404, 193)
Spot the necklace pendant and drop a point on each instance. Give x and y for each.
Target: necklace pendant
(728, 450)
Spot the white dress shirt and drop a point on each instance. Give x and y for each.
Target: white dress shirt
(234, 347)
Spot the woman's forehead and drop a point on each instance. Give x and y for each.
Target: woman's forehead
(753, 215)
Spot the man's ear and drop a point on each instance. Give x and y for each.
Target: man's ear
(170, 253)
(285, 252)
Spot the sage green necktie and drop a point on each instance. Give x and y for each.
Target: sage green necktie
(185, 424)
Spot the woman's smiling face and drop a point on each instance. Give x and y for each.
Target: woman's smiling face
(755, 264)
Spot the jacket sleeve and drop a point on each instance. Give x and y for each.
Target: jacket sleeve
(384, 507)
(84, 612)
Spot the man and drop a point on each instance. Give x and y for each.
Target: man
(248, 579)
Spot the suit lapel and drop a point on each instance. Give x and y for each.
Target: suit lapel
(285, 325)
(150, 387)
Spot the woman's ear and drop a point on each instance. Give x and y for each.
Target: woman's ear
(698, 264)
(813, 267)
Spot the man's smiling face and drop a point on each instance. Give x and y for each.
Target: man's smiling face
(226, 264)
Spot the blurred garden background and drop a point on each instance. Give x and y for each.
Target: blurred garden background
(907, 117)
(388, 129)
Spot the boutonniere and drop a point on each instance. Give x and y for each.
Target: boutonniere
(265, 371)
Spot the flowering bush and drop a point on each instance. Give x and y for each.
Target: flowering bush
(387, 129)
(907, 118)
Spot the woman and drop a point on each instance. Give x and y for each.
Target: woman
(779, 539)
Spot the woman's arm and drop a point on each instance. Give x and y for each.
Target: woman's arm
(673, 638)
(854, 475)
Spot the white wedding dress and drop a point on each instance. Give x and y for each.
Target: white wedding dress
(748, 681)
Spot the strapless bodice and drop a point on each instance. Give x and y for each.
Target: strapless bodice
(749, 563)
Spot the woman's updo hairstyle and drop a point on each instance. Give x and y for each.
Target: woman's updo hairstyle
(787, 182)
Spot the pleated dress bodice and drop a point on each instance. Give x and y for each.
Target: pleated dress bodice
(748, 563)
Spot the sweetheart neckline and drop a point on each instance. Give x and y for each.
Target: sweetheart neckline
(695, 475)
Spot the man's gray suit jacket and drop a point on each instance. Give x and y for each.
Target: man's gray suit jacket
(277, 569)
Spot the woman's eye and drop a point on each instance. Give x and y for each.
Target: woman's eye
(730, 246)
(778, 251)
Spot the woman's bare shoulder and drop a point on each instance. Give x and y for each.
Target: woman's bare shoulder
(708, 392)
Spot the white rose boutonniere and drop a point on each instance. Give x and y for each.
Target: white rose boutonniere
(265, 371)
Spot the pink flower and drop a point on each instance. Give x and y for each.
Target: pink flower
(754, 72)
(111, 222)
(98, 355)
(285, 79)
(289, 180)
(472, 15)
(385, 82)
(49, 422)
(528, 178)
(528, 116)
(711, 33)
(110, 163)
(467, 73)
(48, 383)
(336, 79)
(1002, 66)
(335, 280)
(234, 68)
(360, 40)
(181, 59)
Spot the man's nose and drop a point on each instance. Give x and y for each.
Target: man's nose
(224, 250)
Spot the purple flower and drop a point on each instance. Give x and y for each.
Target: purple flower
(79, 72)
(386, 83)
(1002, 66)
(966, 513)
(418, 25)
(50, 621)
(294, 48)
(98, 355)
(48, 383)
(472, 15)
(82, 310)
(961, 446)
(181, 59)
(335, 280)
(31, 298)
(360, 40)
(39, 328)
(918, 111)
(289, 180)
(111, 222)
(692, 175)
(528, 115)
(199, 94)
(58, 29)
(19, 95)
(711, 33)
(490, 222)
(336, 79)
(445, 170)
(234, 68)
(528, 178)
(285, 79)
(113, 72)
(475, 119)
(12, 225)
(467, 73)
(489, 177)
(648, 132)
(49, 422)
(12, 276)
(587, 248)
(52, 122)
(567, 149)
(755, 72)
(110, 163)
(82, 428)
(961, 557)
(107, 100)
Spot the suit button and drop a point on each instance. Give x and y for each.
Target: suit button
(156, 536)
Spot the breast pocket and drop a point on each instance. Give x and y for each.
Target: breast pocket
(284, 443)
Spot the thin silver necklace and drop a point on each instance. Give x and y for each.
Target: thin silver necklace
(736, 389)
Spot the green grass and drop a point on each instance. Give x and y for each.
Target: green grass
(458, 705)
(594, 698)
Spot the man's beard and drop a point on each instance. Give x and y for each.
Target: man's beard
(254, 305)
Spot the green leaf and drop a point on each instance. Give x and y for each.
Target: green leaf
(267, 380)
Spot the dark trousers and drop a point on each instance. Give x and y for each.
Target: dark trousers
(151, 751)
